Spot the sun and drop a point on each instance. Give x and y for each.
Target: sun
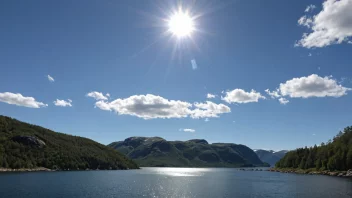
(181, 24)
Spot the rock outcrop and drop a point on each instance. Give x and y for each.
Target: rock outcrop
(349, 173)
(29, 140)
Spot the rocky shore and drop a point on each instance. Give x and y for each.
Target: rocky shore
(313, 172)
(24, 169)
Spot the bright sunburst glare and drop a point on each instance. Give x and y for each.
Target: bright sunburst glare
(181, 24)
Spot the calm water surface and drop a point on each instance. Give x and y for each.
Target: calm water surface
(171, 182)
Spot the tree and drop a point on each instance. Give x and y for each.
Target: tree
(335, 155)
(60, 150)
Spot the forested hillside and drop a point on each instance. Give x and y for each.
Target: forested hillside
(334, 155)
(156, 151)
(24, 145)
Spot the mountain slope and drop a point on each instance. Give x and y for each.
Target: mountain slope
(270, 156)
(334, 155)
(24, 145)
(155, 151)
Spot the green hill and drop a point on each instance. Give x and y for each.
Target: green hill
(335, 155)
(156, 151)
(24, 145)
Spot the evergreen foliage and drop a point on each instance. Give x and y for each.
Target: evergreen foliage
(60, 152)
(335, 155)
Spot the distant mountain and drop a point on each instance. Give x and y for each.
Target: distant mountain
(270, 156)
(156, 151)
(28, 146)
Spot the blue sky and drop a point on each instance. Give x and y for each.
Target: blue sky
(158, 83)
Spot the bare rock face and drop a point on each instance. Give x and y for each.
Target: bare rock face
(349, 173)
(29, 140)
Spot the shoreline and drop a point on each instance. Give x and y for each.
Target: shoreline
(42, 169)
(347, 174)
(38, 169)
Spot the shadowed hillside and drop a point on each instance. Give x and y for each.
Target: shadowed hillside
(24, 145)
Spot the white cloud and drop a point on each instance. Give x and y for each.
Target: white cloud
(63, 103)
(107, 95)
(310, 8)
(209, 109)
(19, 100)
(206, 120)
(151, 106)
(103, 105)
(97, 95)
(312, 86)
(273, 94)
(240, 96)
(188, 130)
(209, 95)
(283, 101)
(147, 107)
(332, 25)
(50, 78)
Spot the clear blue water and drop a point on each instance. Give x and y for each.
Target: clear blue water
(172, 182)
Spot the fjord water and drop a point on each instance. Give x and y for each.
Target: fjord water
(172, 182)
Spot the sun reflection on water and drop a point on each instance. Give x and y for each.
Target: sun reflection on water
(180, 172)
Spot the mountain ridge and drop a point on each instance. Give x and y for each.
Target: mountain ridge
(156, 151)
(270, 156)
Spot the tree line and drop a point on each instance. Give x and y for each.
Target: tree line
(335, 155)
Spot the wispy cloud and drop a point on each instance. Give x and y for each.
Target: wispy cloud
(273, 94)
(187, 130)
(209, 109)
(283, 101)
(310, 8)
(194, 64)
(50, 78)
(209, 95)
(97, 95)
